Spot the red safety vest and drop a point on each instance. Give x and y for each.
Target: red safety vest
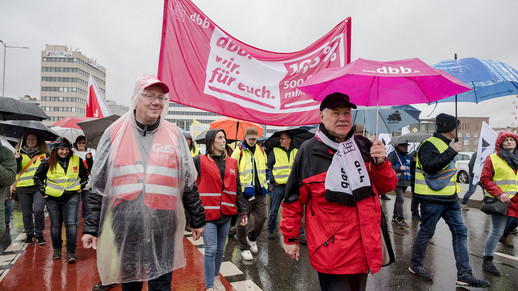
(214, 197)
(158, 180)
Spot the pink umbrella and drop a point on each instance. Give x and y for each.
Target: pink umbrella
(373, 83)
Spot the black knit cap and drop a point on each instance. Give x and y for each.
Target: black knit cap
(446, 123)
(60, 143)
(336, 99)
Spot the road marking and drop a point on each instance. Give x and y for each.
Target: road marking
(507, 256)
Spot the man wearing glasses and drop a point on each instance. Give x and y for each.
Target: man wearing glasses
(143, 179)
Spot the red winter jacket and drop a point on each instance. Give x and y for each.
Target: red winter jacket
(486, 178)
(341, 239)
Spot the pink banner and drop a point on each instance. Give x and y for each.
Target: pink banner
(208, 69)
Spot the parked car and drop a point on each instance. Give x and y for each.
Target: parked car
(462, 166)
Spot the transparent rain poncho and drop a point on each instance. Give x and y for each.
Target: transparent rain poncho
(136, 174)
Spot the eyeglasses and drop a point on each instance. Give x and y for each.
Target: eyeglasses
(152, 98)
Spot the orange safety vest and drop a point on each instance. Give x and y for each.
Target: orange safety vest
(214, 197)
(158, 180)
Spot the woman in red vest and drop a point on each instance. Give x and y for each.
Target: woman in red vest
(220, 193)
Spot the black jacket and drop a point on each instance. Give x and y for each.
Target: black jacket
(432, 161)
(40, 177)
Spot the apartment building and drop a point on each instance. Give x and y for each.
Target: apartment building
(64, 82)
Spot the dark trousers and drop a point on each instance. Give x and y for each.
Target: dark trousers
(63, 211)
(32, 211)
(349, 282)
(256, 218)
(512, 223)
(414, 205)
(162, 283)
(398, 204)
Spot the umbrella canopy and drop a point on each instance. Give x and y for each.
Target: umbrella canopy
(372, 83)
(299, 134)
(390, 119)
(12, 109)
(235, 128)
(18, 128)
(71, 122)
(93, 129)
(410, 138)
(69, 133)
(489, 79)
(5, 143)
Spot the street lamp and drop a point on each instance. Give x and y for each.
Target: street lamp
(5, 50)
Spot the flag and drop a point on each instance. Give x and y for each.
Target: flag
(486, 146)
(197, 128)
(95, 104)
(208, 69)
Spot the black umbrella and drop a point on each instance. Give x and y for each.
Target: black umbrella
(299, 134)
(94, 129)
(12, 109)
(18, 128)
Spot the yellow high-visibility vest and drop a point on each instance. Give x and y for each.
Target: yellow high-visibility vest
(420, 184)
(25, 179)
(58, 181)
(282, 168)
(505, 177)
(246, 168)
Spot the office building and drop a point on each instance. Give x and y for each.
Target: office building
(64, 82)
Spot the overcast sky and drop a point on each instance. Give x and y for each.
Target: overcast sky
(124, 36)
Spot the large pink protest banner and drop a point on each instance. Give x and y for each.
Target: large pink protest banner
(206, 68)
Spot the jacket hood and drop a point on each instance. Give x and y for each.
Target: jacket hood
(210, 136)
(501, 136)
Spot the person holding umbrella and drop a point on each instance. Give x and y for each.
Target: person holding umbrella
(220, 193)
(436, 188)
(498, 178)
(254, 185)
(334, 183)
(400, 161)
(61, 178)
(31, 150)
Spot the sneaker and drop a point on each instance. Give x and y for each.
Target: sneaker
(71, 258)
(384, 197)
(303, 240)
(29, 239)
(395, 220)
(514, 231)
(402, 224)
(271, 235)
(40, 240)
(57, 254)
(218, 286)
(464, 207)
(247, 255)
(421, 273)
(503, 239)
(253, 246)
(100, 287)
(469, 280)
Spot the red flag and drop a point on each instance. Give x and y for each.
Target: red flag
(208, 69)
(95, 104)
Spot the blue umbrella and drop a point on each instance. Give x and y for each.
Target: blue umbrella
(489, 79)
(390, 119)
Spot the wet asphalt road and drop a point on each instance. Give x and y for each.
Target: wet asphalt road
(272, 269)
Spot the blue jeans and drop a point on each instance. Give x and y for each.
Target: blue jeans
(214, 239)
(8, 204)
(162, 283)
(512, 223)
(275, 203)
(59, 212)
(32, 208)
(470, 191)
(430, 215)
(498, 223)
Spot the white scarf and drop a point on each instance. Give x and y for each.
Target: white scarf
(347, 173)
